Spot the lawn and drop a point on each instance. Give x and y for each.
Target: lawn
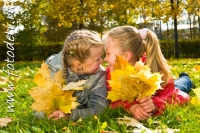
(185, 118)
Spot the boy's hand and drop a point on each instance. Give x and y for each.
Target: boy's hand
(139, 113)
(147, 104)
(56, 115)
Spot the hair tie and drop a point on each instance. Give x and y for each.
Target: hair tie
(143, 33)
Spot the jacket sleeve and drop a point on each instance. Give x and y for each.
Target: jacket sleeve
(97, 102)
(168, 95)
(55, 63)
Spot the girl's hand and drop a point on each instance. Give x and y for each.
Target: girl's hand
(139, 113)
(147, 104)
(56, 115)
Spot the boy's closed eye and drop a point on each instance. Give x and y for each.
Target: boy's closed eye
(98, 59)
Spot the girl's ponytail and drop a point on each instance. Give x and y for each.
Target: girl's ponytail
(154, 56)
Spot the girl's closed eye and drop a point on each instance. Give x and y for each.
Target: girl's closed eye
(107, 53)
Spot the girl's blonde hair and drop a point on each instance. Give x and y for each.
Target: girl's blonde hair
(77, 46)
(129, 39)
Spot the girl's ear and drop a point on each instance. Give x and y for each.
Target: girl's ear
(78, 65)
(127, 56)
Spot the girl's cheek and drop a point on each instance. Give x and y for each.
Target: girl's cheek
(111, 68)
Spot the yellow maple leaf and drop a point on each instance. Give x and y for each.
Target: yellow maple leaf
(45, 98)
(58, 77)
(196, 99)
(48, 95)
(138, 65)
(39, 79)
(131, 82)
(69, 102)
(44, 70)
(120, 63)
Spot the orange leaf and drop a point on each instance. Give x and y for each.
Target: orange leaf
(197, 67)
(120, 63)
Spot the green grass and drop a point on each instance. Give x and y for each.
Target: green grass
(185, 118)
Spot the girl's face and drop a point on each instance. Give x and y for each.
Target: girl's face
(111, 50)
(92, 64)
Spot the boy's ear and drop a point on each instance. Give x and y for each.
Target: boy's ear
(78, 65)
(127, 56)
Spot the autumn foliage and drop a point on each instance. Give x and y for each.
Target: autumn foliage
(48, 94)
(131, 82)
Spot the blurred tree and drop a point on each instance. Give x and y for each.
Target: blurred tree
(193, 9)
(97, 15)
(31, 17)
(2, 24)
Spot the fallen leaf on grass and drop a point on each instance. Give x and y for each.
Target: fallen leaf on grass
(134, 123)
(3, 80)
(76, 124)
(66, 129)
(4, 121)
(128, 121)
(197, 67)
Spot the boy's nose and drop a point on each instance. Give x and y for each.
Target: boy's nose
(101, 60)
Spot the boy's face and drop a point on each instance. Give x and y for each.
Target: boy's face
(111, 50)
(92, 64)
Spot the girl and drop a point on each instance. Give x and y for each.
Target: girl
(81, 59)
(132, 44)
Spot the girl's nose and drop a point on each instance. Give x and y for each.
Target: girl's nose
(105, 58)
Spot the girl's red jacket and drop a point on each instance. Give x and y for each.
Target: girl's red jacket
(168, 95)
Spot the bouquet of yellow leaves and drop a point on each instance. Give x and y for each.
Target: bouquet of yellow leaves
(48, 95)
(131, 82)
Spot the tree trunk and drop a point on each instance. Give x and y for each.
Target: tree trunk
(176, 38)
(175, 29)
(194, 27)
(81, 23)
(190, 23)
(167, 32)
(199, 24)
